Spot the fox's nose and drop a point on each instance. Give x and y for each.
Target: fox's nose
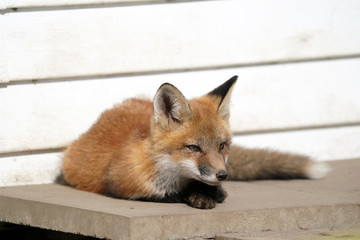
(221, 175)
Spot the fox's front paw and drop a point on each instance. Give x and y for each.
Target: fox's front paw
(197, 200)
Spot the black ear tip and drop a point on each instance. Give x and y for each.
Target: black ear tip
(224, 88)
(233, 79)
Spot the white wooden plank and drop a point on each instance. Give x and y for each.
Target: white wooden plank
(29, 169)
(50, 115)
(20, 4)
(3, 5)
(166, 37)
(3, 44)
(320, 144)
(330, 144)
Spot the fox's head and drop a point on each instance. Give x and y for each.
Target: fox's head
(191, 139)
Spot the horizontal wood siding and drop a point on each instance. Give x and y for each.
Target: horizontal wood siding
(321, 144)
(29, 169)
(3, 50)
(266, 98)
(17, 5)
(63, 62)
(175, 37)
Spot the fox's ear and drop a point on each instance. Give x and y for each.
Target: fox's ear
(170, 106)
(221, 95)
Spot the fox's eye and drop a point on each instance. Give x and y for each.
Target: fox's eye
(222, 145)
(194, 148)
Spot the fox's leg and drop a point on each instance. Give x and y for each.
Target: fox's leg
(201, 195)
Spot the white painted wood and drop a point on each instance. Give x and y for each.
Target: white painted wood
(19, 4)
(29, 169)
(166, 37)
(3, 5)
(320, 144)
(329, 144)
(3, 45)
(51, 115)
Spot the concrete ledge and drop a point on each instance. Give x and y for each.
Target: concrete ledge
(330, 203)
(305, 234)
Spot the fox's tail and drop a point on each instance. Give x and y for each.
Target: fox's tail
(252, 164)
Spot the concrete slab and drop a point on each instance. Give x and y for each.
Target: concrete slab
(330, 203)
(305, 234)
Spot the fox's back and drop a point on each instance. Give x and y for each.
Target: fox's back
(172, 150)
(87, 159)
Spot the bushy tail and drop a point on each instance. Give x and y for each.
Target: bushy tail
(252, 164)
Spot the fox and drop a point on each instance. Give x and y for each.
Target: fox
(173, 150)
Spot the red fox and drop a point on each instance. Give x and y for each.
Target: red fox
(172, 150)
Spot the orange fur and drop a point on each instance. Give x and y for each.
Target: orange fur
(117, 152)
(169, 149)
(111, 141)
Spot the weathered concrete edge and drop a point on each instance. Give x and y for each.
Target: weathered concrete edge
(175, 226)
(64, 218)
(305, 234)
(211, 224)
